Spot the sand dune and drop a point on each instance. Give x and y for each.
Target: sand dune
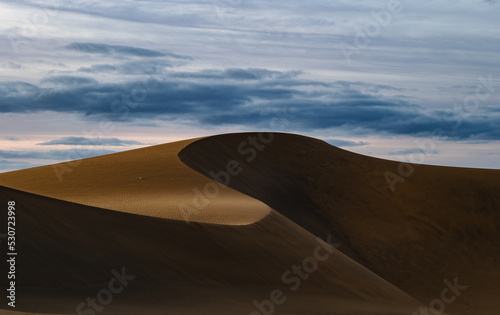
(150, 181)
(70, 249)
(441, 223)
(241, 241)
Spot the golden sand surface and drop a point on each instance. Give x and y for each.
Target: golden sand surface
(150, 181)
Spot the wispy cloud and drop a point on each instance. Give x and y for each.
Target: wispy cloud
(345, 143)
(53, 154)
(11, 138)
(68, 80)
(6, 165)
(106, 49)
(91, 142)
(412, 151)
(12, 65)
(236, 74)
(131, 67)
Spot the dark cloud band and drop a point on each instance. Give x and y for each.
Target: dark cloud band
(245, 97)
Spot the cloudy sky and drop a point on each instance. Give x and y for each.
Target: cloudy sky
(385, 78)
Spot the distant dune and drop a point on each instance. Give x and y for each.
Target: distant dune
(252, 224)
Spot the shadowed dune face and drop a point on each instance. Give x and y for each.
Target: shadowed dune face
(441, 223)
(69, 249)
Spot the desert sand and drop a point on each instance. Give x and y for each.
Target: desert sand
(150, 181)
(196, 246)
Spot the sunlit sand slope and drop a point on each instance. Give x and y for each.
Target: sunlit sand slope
(151, 181)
